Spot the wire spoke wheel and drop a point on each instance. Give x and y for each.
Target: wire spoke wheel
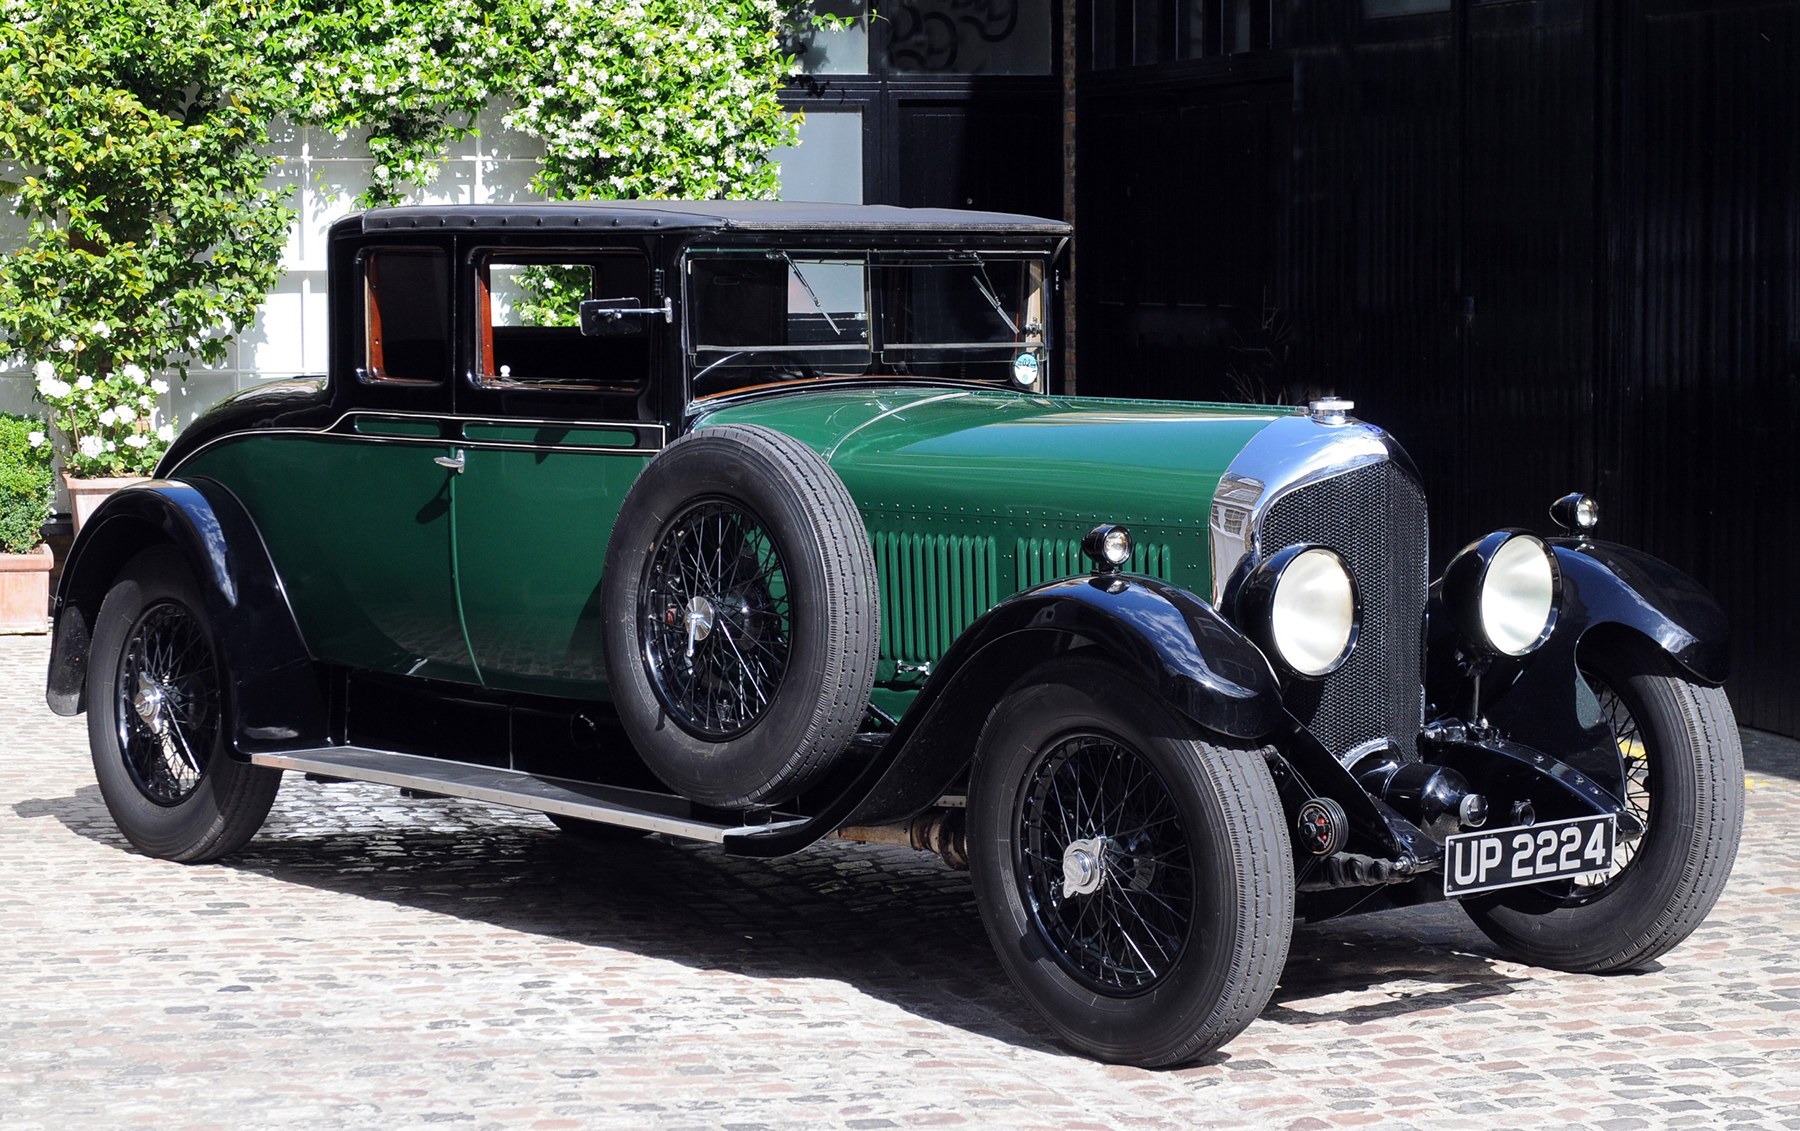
(1104, 856)
(1134, 876)
(1683, 777)
(158, 718)
(717, 619)
(1639, 787)
(167, 707)
(742, 616)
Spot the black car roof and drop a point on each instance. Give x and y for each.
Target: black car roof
(701, 216)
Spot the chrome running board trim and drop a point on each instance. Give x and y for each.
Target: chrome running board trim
(631, 808)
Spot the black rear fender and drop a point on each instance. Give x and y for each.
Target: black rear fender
(273, 692)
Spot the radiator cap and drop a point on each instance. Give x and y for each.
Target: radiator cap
(1330, 410)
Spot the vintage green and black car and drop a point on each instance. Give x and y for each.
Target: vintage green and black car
(759, 523)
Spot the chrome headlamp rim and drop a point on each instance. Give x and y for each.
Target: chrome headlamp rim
(1258, 605)
(1504, 558)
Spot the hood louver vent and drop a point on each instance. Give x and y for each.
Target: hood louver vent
(934, 586)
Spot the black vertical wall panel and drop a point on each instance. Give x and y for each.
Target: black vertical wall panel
(1547, 243)
(1704, 368)
(1528, 264)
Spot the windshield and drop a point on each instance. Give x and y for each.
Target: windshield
(762, 315)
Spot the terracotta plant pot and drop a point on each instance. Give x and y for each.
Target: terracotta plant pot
(25, 591)
(86, 494)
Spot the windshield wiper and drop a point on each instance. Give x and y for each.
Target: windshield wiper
(810, 293)
(986, 286)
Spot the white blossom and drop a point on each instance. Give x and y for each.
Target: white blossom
(91, 447)
(68, 345)
(159, 386)
(137, 440)
(132, 372)
(84, 382)
(36, 439)
(166, 433)
(102, 331)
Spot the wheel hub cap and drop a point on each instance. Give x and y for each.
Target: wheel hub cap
(148, 703)
(700, 618)
(1084, 866)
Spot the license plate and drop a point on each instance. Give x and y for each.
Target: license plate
(1527, 854)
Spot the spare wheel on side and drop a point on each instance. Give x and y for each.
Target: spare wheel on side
(742, 618)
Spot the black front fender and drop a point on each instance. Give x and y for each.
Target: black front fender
(1165, 637)
(273, 697)
(1540, 699)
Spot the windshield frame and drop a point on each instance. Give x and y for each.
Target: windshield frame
(884, 360)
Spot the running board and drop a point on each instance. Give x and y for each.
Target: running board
(631, 808)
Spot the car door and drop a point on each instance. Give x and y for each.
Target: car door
(357, 516)
(555, 427)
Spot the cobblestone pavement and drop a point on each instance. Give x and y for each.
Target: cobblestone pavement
(375, 961)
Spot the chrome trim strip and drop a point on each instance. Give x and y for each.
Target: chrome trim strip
(1290, 453)
(504, 787)
(338, 428)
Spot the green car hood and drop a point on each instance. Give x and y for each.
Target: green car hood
(1028, 474)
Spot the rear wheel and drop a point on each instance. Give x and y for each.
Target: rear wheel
(1134, 878)
(1684, 778)
(156, 724)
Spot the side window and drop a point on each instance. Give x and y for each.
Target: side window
(406, 303)
(528, 310)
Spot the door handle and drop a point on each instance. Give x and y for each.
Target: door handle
(452, 462)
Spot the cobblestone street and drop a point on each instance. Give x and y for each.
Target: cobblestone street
(376, 961)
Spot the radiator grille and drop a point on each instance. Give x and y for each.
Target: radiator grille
(1374, 517)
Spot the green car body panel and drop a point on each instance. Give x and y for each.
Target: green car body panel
(491, 576)
(971, 495)
(415, 570)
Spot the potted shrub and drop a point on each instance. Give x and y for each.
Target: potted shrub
(25, 493)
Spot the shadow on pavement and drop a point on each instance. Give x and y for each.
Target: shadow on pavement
(891, 923)
(1766, 753)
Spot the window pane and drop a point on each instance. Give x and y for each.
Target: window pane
(1152, 33)
(968, 37)
(827, 163)
(406, 294)
(1202, 29)
(825, 49)
(1105, 45)
(531, 335)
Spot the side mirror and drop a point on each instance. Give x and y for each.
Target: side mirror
(620, 317)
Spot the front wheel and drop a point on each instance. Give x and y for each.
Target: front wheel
(1684, 778)
(1134, 877)
(156, 724)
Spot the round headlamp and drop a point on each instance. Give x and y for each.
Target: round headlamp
(1503, 592)
(1301, 605)
(1577, 513)
(1108, 547)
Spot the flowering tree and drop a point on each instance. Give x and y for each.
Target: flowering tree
(647, 98)
(132, 135)
(410, 75)
(132, 127)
